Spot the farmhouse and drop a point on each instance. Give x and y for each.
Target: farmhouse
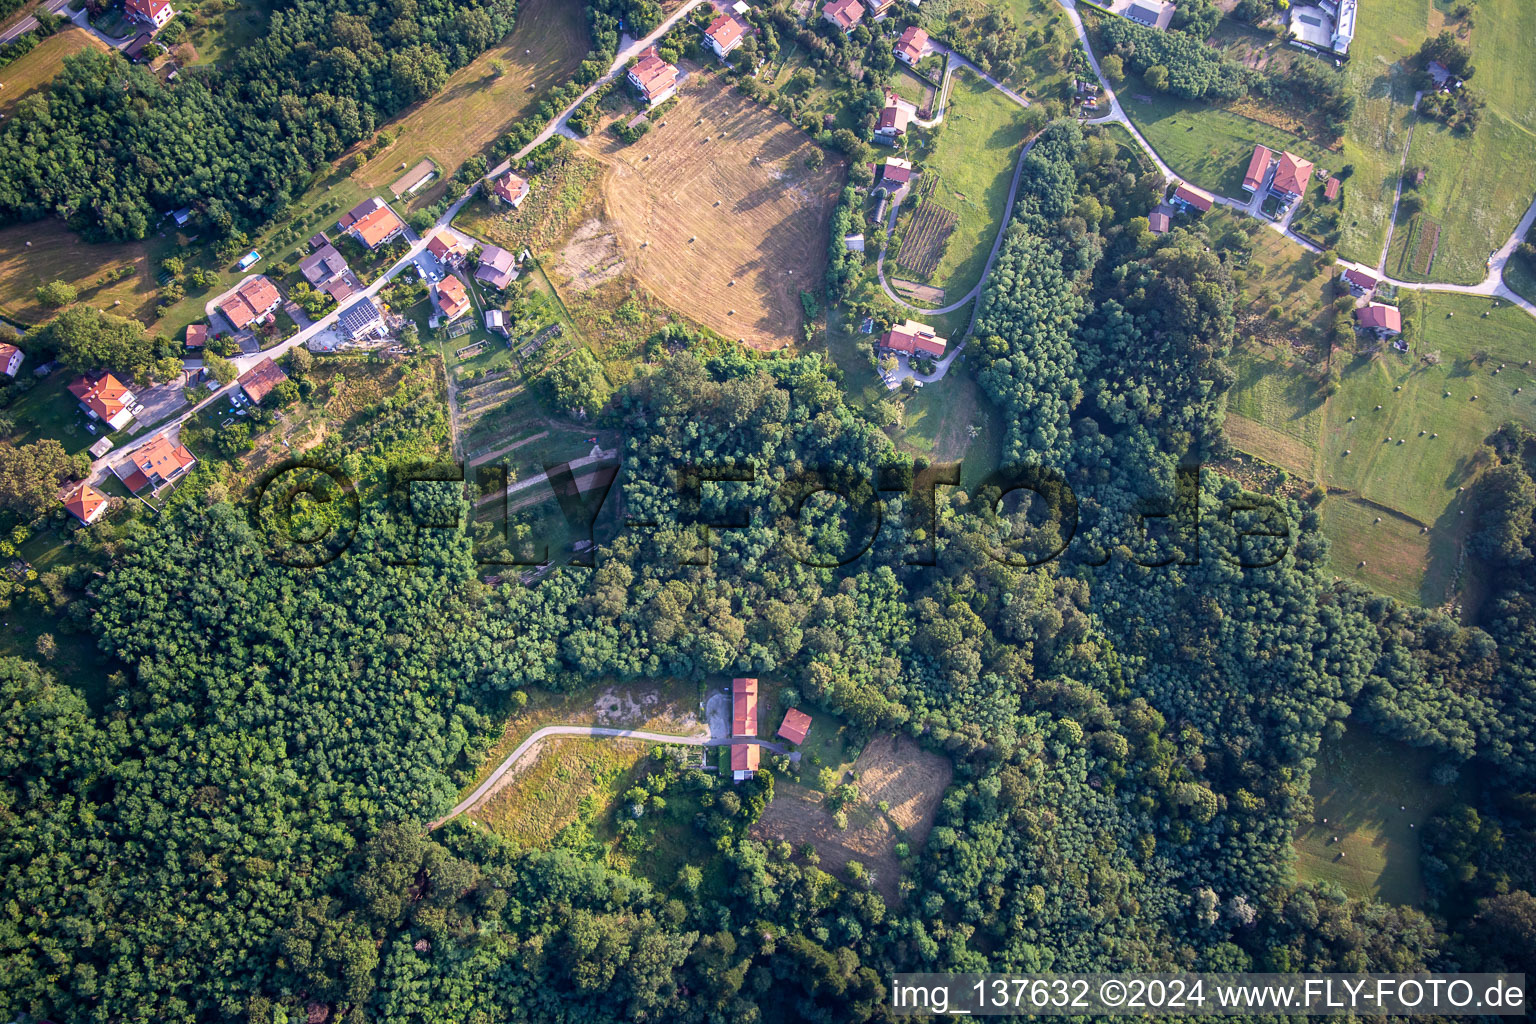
(1381, 320)
(362, 319)
(1258, 169)
(1193, 199)
(155, 464)
(447, 248)
(913, 338)
(1291, 177)
(1159, 222)
(103, 397)
(149, 12)
(893, 121)
(653, 78)
(509, 189)
(498, 267)
(85, 503)
(895, 173)
(912, 45)
(251, 303)
(451, 297)
(1150, 13)
(744, 756)
(1359, 282)
(795, 726)
(845, 14)
(724, 34)
(259, 380)
(371, 222)
(197, 335)
(11, 359)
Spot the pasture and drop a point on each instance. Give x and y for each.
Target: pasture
(36, 68)
(1375, 795)
(891, 770)
(718, 213)
(116, 277)
(971, 166)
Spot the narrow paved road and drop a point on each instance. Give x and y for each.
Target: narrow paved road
(489, 786)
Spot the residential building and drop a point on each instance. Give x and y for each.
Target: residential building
(653, 78)
(85, 503)
(1258, 169)
(1193, 199)
(11, 359)
(496, 320)
(912, 45)
(1331, 189)
(1381, 320)
(1291, 177)
(362, 319)
(447, 247)
(372, 223)
(103, 397)
(913, 339)
(510, 189)
(1150, 13)
(153, 465)
(878, 9)
(322, 265)
(1159, 222)
(895, 174)
(149, 12)
(795, 726)
(724, 34)
(744, 756)
(259, 380)
(451, 297)
(845, 14)
(251, 303)
(893, 121)
(1359, 282)
(498, 267)
(1344, 26)
(197, 335)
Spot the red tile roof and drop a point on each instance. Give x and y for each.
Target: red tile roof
(452, 297)
(7, 353)
(653, 75)
(85, 503)
(897, 171)
(1292, 175)
(511, 187)
(913, 338)
(442, 244)
(745, 757)
(259, 380)
(1258, 167)
(1331, 189)
(724, 31)
(147, 9)
(376, 226)
(845, 14)
(894, 118)
(1195, 197)
(105, 395)
(796, 724)
(744, 707)
(252, 300)
(912, 43)
(159, 458)
(197, 335)
(1360, 279)
(1381, 317)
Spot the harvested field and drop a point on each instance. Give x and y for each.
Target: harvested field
(891, 768)
(591, 257)
(925, 293)
(718, 215)
(922, 246)
(43, 251)
(35, 69)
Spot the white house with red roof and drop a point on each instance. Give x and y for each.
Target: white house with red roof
(11, 359)
(653, 78)
(154, 13)
(1193, 199)
(510, 189)
(1359, 282)
(878, 9)
(724, 34)
(103, 397)
(912, 45)
(85, 503)
(845, 14)
(745, 757)
(913, 339)
(1381, 320)
(893, 120)
(159, 462)
(1291, 176)
(1258, 168)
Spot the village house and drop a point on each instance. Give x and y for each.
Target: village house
(85, 503)
(251, 303)
(1359, 282)
(11, 359)
(878, 9)
(1258, 169)
(912, 45)
(327, 270)
(362, 319)
(155, 464)
(1381, 320)
(745, 757)
(510, 189)
(845, 14)
(1291, 177)
(197, 335)
(653, 78)
(498, 267)
(724, 34)
(1159, 222)
(372, 223)
(257, 382)
(1193, 199)
(913, 339)
(451, 297)
(795, 727)
(1149, 13)
(895, 173)
(447, 248)
(893, 121)
(105, 398)
(149, 12)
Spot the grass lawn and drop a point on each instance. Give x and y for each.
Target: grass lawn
(220, 28)
(1376, 796)
(50, 411)
(973, 163)
(1277, 273)
(477, 105)
(36, 68)
(953, 420)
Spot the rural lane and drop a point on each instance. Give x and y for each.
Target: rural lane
(490, 784)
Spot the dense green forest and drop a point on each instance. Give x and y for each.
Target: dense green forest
(238, 833)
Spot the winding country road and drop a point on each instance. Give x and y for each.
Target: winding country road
(491, 783)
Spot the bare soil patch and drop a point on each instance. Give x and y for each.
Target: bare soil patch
(591, 256)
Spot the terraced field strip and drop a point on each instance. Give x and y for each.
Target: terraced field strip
(488, 456)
